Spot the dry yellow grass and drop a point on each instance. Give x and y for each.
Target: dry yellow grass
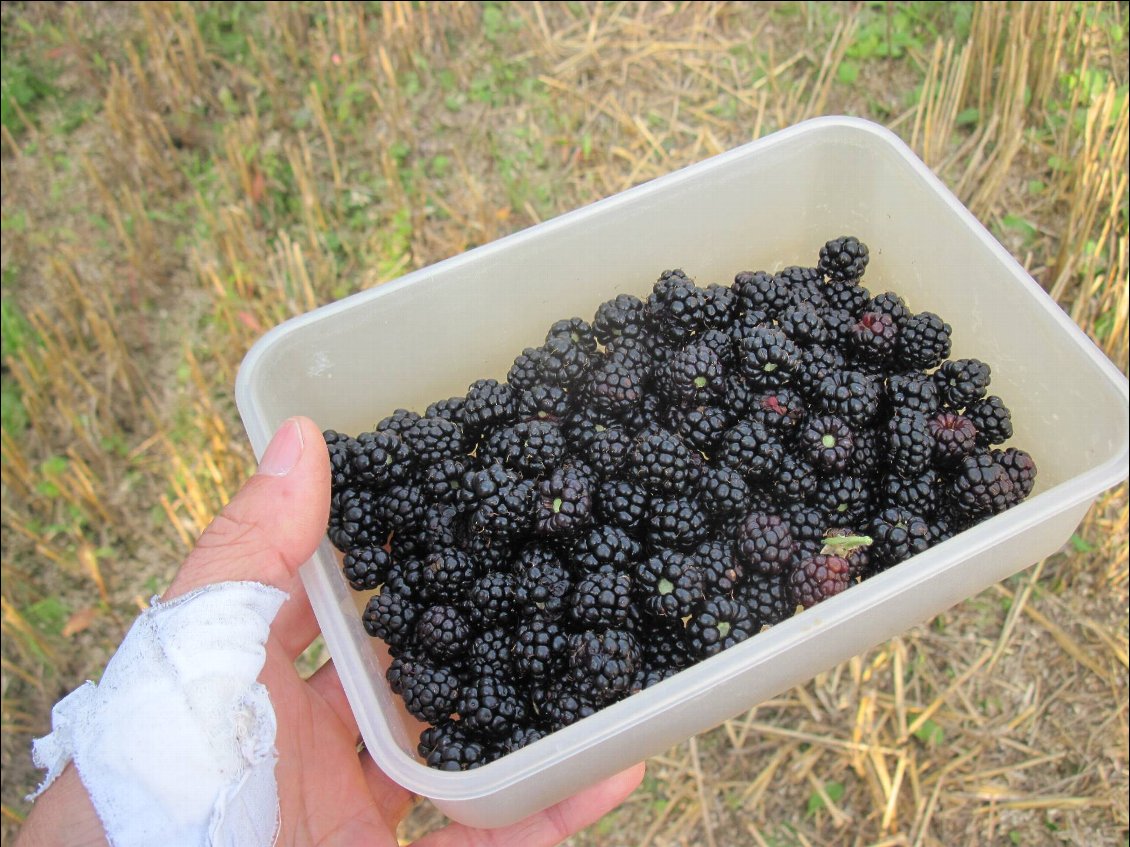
(203, 171)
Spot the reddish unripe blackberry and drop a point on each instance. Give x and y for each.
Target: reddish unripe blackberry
(962, 381)
(955, 437)
(564, 503)
(365, 568)
(718, 623)
(992, 419)
(817, 578)
(826, 442)
(843, 259)
(781, 410)
(873, 336)
(668, 584)
(765, 544)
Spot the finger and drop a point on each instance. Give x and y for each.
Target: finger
(275, 521)
(547, 827)
(327, 685)
(295, 626)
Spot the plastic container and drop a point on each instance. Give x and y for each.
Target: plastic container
(765, 205)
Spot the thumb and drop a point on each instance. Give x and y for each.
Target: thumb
(274, 523)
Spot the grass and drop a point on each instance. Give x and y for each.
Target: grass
(177, 178)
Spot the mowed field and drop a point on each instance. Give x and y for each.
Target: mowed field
(180, 177)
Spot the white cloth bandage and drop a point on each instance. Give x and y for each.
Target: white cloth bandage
(176, 743)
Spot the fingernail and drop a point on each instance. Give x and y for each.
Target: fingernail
(284, 451)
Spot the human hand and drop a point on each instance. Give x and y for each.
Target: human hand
(328, 793)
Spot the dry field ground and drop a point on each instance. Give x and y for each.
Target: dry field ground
(177, 178)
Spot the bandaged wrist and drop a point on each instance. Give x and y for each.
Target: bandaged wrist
(176, 743)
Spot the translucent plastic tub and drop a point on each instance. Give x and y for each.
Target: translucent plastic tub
(766, 205)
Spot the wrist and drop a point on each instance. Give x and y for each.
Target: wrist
(64, 816)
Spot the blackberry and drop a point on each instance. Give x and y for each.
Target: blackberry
(850, 396)
(519, 736)
(807, 525)
(981, 486)
(608, 449)
(803, 324)
(443, 481)
(1021, 469)
(489, 404)
(662, 463)
(955, 437)
(491, 652)
(544, 589)
(450, 409)
(381, 459)
(405, 578)
(490, 601)
(402, 508)
(873, 336)
(679, 523)
(844, 497)
(924, 341)
(992, 419)
(897, 535)
(890, 304)
(817, 578)
(564, 503)
(718, 623)
(917, 494)
(563, 362)
(490, 551)
(397, 422)
(795, 478)
(814, 364)
(638, 354)
(869, 452)
(677, 306)
(499, 501)
(693, 376)
(577, 331)
(663, 652)
(802, 285)
(781, 411)
(529, 447)
(447, 576)
(390, 617)
(747, 324)
(701, 427)
(365, 568)
(765, 544)
(544, 403)
(740, 395)
(721, 570)
(719, 304)
(751, 449)
(827, 442)
(490, 707)
(615, 389)
(843, 259)
(668, 584)
(429, 692)
(768, 598)
(962, 381)
(447, 747)
(602, 546)
(622, 504)
(758, 291)
(720, 342)
(355, 520)
(539, 648)
(563, 705)
(853, 548)
(724, 491)
(525, 373)
(767, 358)
(910, 443)
(622, 317)
(601, 598)
(915, 391)
(443, 632)
(602, 664)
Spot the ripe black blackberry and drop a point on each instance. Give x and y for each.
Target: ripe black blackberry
(816, 361)
(544, 402)
(914, 390)
(724, 492)
(355, 520)
(601, 598)
(817, 578)
(405, 578)
(758, 291)
(668, 584)
(721, 342)
(722, 572)
(489, 404)
(529, 447)
(844, 497)
(499, 502)
(794, 479)
(701, 427)
(918, 494)
(391, 617)
(692, 376)
(402, 507)
(768, 598)
(397, 422)
(874, 336)
(992, 419)
(898, 534)
(601, 546)
(807, 525)
(847, 298)
(869, 452)
(490, 707)
(802, 285)
(525, 373)
(442, 632)
(490, 599)
(890, 304)
(765, 544)
(540, 648)
(576, 330)
(662, 462)
(981, 486)
(563, 362)
(923, 342)
(433, 440)
(621, 317)
(639, 354)
(843, 259)
(374, 460)
(718, 623)
(491, 653)
(563, 504)
(365, 568)
(767, 358)
(430, 692)
(563, 705)
(910, 443)
(781, 410)
(447, 576)
(677, 307)
(753, 450)
(955, 437)
(443, 481)
(447, 747)
(850, 396)
(607, 450)
(602, 664)
(614, 389)
(719, 305)
(676, 522)
(544, 584)
(826, 442)
(803, 324)
(620, 503)
(1021, 469)
(450, 409)
(962, 381)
